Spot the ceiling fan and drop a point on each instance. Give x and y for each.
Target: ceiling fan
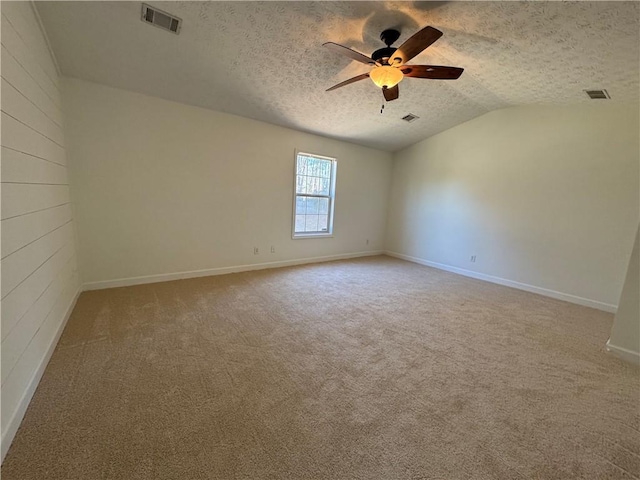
(390, 62)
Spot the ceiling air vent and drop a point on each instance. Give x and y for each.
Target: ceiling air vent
(596, 94)
(410, 117)
(161, 19)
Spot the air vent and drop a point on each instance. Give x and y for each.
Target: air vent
(161, 19)
(410, 117)
(596, 94)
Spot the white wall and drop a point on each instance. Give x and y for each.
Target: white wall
(625, 334)
(39, 274)
(163, 187)
(545, 197)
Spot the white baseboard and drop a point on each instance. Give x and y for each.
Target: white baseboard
(624, 353)
(14, 422)
(166, 277)
(567, 297)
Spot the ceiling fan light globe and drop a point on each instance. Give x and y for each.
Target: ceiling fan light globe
(386, 76)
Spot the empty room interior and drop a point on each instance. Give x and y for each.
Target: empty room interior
(320, 240)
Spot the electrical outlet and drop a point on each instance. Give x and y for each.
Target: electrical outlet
(473, 259)
(256, 250)
(273, 249)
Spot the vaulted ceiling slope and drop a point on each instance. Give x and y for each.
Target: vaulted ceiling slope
(265, 60)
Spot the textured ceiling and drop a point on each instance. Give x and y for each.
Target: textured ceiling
(266, 61)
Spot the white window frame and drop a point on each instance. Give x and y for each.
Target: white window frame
(332, 197)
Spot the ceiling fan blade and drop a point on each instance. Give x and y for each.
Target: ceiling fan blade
(347, 82)
(352, 54)
(391, 93)
(415, 44)
(435, 72)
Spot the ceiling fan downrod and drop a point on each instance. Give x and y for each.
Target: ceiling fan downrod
(383, 55)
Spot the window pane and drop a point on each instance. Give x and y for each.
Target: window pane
(301, 205)
(302, 166)
(313, 163)
(317, 184)
(301, 183)
(323, 223)
(300, 223)
(308, 184)
(323, 206)
(324, 186)
(311, 223)
(326, 169)
(312, 205)
(316, 167)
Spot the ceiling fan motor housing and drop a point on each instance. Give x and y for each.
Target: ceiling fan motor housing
(383, 53)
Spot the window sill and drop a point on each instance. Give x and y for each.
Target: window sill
(302, 236)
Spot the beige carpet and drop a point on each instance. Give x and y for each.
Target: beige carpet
(366, 369)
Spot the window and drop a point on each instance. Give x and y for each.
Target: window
(314, 196)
